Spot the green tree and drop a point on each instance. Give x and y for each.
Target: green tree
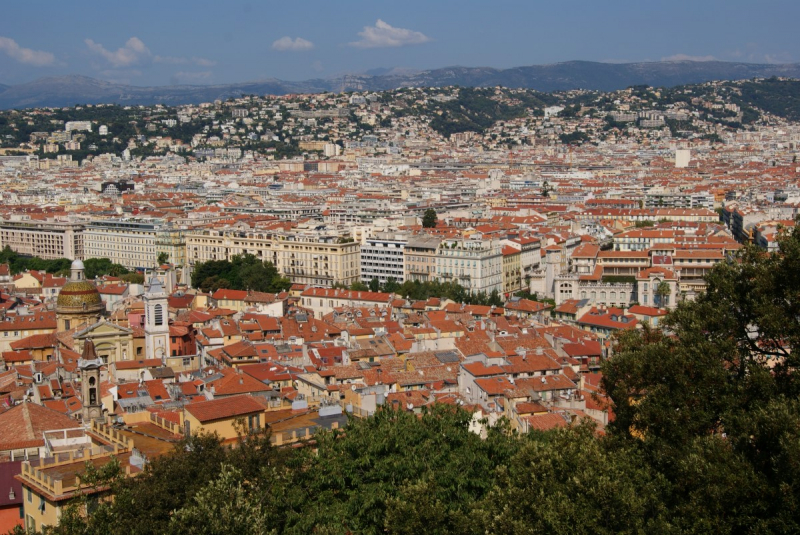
(720, 389)
(430, 219)
(375, 285)
(569, 478)
(229, 504)
(163, 257)
(662, 292)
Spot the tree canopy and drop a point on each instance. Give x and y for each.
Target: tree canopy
(430, 219)
(243, 272)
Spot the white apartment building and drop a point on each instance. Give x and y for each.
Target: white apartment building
(477, 265)
(129, 242)
(382, 257)
(49, 239)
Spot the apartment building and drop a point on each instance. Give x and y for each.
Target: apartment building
(318, 258)
(678, 200)
(645, 238)
(382, 257)
(512, 270)
(48, 239)
(129, 242)
(419, 258)
(206, 245)
(477, 265)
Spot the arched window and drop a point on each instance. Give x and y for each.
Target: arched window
(158, 313)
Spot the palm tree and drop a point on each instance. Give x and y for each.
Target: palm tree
(662, 291)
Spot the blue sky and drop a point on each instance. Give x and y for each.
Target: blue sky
(204, 42)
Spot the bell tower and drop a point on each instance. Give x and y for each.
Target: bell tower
(156, 321)
(89, 367)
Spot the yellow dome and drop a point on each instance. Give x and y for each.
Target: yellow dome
(79, 294)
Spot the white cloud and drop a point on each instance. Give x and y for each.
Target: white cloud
(37, 58)
(203, 62)
(686, 57)
(385, 35)
(173, 60)
(294, 45)
(133, 53)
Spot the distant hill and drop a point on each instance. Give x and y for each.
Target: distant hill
(71, 90)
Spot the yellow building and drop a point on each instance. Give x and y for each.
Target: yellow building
(221, 415)
(50, 484)
(512, 270)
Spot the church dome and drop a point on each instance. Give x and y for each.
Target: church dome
(79, 295)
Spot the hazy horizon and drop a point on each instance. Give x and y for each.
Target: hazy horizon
(202, 43)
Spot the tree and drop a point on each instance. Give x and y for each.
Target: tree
(718, 392)
(374, 285)
(570, 478)
(430, 219)
(163, 257)
(243, 272)
(229, 504)
(662, 292)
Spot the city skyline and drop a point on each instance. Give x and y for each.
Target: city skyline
(199, 43)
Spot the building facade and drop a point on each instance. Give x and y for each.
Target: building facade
(382, 257)
(50, 239)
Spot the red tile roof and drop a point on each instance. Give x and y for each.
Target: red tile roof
(223, 408)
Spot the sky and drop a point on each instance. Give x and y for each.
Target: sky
(167, 42)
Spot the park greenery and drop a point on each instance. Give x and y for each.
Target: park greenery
(242, 272)
(705, 439)
(423, 290)
(93, 267)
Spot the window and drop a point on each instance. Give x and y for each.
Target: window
(254, 422)
(158, 312)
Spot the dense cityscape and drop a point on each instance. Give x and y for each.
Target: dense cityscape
(325, 272)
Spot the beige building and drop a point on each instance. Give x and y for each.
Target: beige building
(321, 259)
(312, 257)
(225, 244)
(51, 239)
(419, 257)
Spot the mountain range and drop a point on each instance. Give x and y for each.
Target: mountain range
(73, 89)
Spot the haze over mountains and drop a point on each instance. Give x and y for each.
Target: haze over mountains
(71, 90)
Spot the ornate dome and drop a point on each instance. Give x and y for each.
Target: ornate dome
(79, 294)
